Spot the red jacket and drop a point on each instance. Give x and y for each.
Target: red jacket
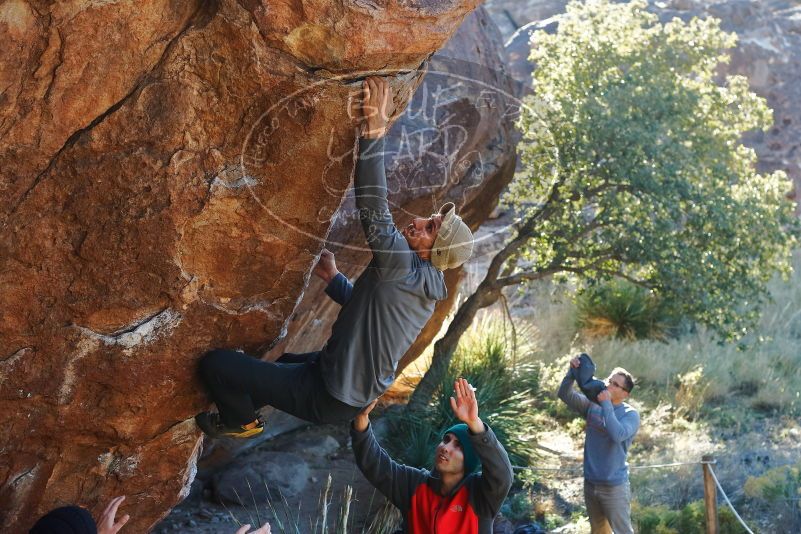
(469, 508)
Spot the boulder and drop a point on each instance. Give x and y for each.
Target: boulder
(262, 477)
(511, 15)
(168, 170)
(518, 49)
(317, 447)
(768, 53)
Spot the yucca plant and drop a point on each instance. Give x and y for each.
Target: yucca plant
(620, 309)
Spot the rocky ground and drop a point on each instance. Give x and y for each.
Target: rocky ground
(295, 465)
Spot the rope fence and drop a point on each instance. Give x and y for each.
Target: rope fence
(572, 469)
(726, 497)
(711, 484)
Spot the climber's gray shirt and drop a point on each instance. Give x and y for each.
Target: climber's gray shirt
(390, 302)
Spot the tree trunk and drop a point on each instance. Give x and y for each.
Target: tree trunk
(485, 295)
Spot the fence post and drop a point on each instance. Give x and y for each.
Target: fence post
(710, 495)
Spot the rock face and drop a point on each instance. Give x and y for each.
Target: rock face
(168, 174)
(513, 14)
(266, 476)
(457, 130)
(768, 53)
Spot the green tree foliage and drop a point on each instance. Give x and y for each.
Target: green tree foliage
(634, 150)
(633, 168)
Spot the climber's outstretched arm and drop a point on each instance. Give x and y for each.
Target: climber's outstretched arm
(390, 249)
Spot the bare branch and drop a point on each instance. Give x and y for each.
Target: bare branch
(614, 274)
(526, 276)
(526, 232)
(557, 267)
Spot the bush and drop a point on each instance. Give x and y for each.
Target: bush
(654, 519)
(778, 493)
(620, 309)
(505, 389)
(689, 520)
(777, 484)
(691, 394)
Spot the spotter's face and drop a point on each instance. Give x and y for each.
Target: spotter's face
(449, 457)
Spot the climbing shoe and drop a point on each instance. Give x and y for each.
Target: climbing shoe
(211, 424)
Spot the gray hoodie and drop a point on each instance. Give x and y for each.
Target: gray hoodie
(389, 303)
(608, 436)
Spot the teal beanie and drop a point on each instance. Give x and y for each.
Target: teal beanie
(471, 460)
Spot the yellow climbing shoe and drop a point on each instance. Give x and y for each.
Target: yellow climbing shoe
(211, 424)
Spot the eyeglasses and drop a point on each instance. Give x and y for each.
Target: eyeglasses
(613, 383)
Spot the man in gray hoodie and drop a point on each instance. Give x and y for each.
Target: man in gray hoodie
(611, 426)
(382, 313)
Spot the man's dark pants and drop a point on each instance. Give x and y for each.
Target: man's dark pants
(240, 384)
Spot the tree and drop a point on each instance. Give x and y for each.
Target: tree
(633, 168)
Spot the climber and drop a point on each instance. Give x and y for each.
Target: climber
(611, 426)
(381, 315)
(452, 497)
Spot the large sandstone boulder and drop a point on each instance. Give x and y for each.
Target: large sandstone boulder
(768, 53)
(168, 172)
(458, 130)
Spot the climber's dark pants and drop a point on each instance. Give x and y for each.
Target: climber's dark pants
(240, 384)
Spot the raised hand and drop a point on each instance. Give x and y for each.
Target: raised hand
(575, 362)
(374, 107)
(362, 419)
(604, 396)
(326, 267)
(465, 405)
(107, 524)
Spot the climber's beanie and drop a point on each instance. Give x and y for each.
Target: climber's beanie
(65, 520)
(471, 459)
(454, 243)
